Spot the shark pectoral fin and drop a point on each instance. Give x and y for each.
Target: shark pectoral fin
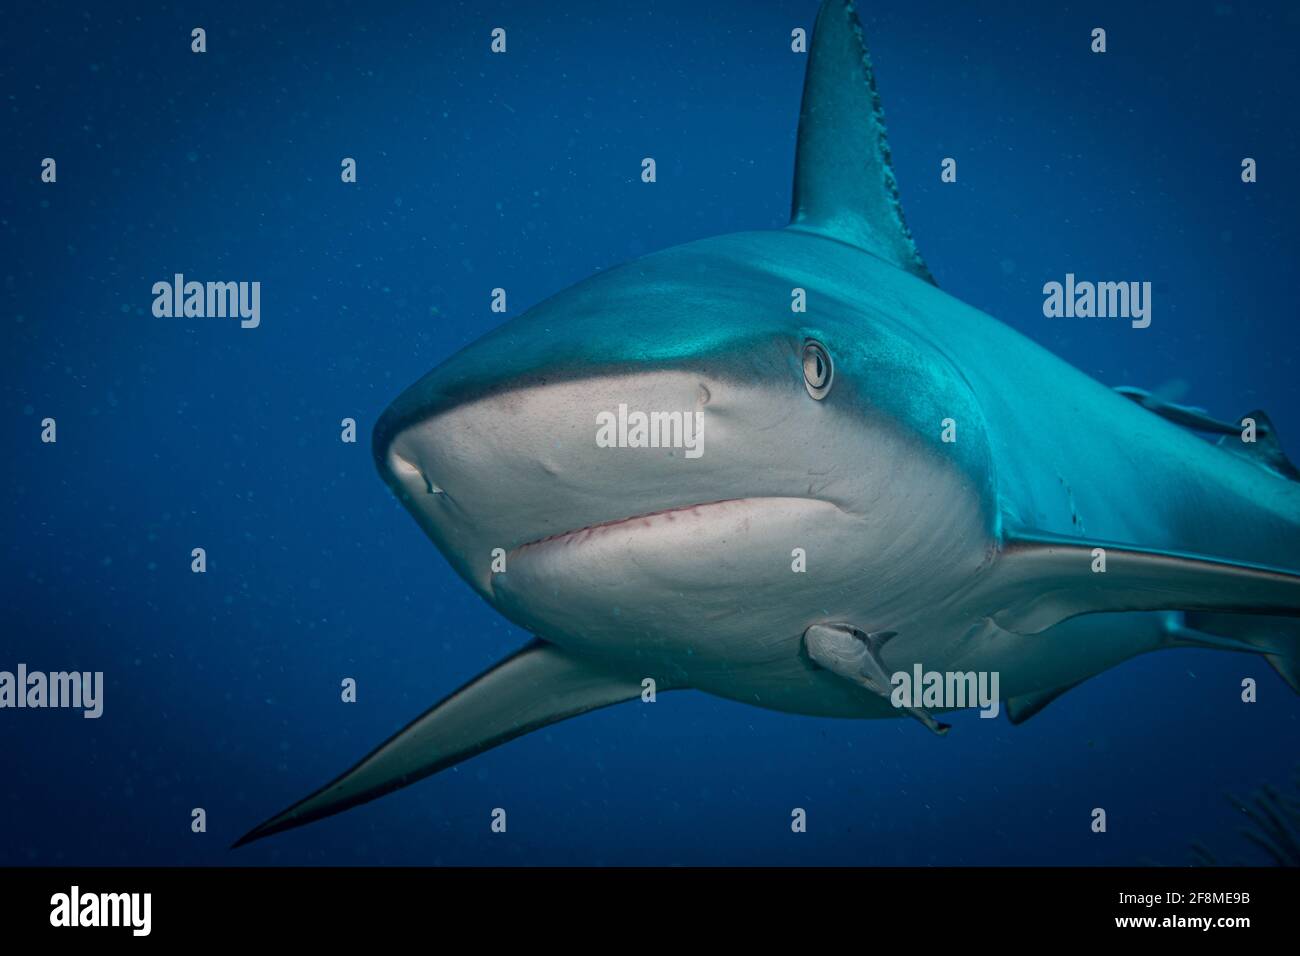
(1038, 581)
(844, 185)
(537, 686)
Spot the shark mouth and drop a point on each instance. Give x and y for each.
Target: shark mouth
(649, 519)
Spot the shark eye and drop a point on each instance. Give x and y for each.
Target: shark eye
(817, 369)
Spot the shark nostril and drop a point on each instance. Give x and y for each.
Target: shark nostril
(408, 469)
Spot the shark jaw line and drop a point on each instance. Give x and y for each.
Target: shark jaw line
(701, 509)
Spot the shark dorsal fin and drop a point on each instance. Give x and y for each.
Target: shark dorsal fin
(844, 184)
(1265, 451)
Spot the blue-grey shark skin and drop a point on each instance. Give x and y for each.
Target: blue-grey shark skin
(641, 563)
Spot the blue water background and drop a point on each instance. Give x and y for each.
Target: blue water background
(522, 171)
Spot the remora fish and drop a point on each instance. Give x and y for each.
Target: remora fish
(823, 432)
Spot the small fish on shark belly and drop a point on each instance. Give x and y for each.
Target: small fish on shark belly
(799, 562)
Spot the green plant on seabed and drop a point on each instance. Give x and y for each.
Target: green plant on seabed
(1273, 825)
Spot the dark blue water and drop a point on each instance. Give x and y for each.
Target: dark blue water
(522, 171)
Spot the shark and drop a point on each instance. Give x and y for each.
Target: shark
(886, 477)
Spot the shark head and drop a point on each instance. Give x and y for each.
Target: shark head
(650, 462)
(625, 465)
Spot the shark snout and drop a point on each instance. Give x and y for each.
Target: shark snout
(547, 457)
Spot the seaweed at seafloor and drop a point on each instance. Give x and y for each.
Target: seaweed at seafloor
(1273, 825)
